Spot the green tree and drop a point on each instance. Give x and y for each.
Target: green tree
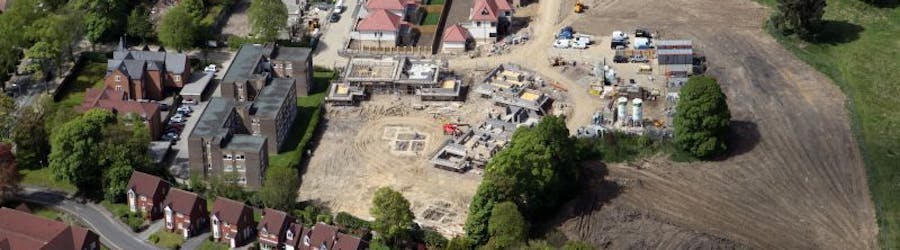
(196, 8)
(459, 243)
(139, 24)
(9, 174)
(31, 138)
(801, 17)
(43, 55)
(537, 245)
(125, 149)
(103, 19)
(178, 29)
(279, 190)
(267, 18)
(507, 227)
(7, 117)
(537, 171)
(220, 186)
(392, 215)
(577, 245)
(702, 117)
(74, 147)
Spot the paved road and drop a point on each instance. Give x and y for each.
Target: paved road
(334, 35)
(112, 233)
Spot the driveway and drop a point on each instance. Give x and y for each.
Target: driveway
(112, 233)
(180, 169)
(334, 36)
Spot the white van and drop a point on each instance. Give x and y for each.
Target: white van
(338, 7)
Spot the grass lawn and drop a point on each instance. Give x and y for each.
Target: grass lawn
(45, 212)
(304, 125)
(859, 50)
(167, 240)
(209, 245)
(431, 18)
(431, 2)
(117, 209)
(41, 177)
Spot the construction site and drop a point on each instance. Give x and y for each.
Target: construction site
(789, 179)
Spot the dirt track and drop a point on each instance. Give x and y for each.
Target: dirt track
(795, 178)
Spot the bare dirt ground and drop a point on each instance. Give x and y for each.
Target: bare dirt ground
(794, 178)
(385, 142)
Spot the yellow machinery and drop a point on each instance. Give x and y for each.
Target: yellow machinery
(579, 6)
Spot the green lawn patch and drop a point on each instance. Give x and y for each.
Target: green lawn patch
(432, 2)
(41, 177)
(309, 111)
(120, 210)
(209, 245)
(859, 50)
(166, 240)
(431, 18)
(45, 212)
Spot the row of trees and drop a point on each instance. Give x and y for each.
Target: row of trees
(179, 28)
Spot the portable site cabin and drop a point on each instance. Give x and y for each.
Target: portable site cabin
(641, 43)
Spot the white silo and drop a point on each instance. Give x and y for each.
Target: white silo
(622, 105)
(637, 112)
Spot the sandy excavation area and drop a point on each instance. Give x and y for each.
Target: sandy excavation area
(385, 142)
(794, 177)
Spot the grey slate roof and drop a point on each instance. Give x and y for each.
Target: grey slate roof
(212, 121)
(271, 99)
(175, 62)
(246, 143)
(134, 68)
(244, 63)
(291, 54)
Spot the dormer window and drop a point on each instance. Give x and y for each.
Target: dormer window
(177, 78)
(323, 246)
(265, 232)
(290, 235)
(485, 11)
(306, 240)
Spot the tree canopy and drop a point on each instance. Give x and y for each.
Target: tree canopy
(178, 29)
(392, 214)
(507, 227)
(801, 17)
(537, 171)
(279, 190)
(702, 117)
(31, 138)
(267, 18)
(9, 174)
(139, 24)
(7, 117)
(103, 19)
(196, 8)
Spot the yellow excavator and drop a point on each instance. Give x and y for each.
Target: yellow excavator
(579, 6)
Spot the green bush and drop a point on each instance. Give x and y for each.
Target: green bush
(350, 222)
(324, 218)
(153, 238)
(235, 42)
(134, 221)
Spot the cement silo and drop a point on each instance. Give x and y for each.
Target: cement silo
(622, 105)
(637, 111)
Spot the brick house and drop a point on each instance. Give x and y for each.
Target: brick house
(232, 222)
(143, 75)
(146, 193)
(319, 237)
(109, 99)
(20, 230)
(272, 229)
(185, 213)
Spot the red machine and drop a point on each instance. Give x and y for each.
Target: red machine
(453, 128)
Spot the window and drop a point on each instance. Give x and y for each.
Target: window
(289, 66)
(177, 78)
(118, 78)
(290, 235)
(227, 157)
(239, 157)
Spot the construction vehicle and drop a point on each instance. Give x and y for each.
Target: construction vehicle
(453, 128)
(579, 7)
(557, 61)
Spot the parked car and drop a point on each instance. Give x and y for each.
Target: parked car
(639, 59)
(178, 126)
(211, 68)
(334, 17)
(170, 137)
(620, 59)
(580, 38)
(177, 118)
(579, 45)
(185, 108)
(189, 101)
(562, 43)
(618, 44)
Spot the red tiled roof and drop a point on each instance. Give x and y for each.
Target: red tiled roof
(379, 20)
(182, 201)
(112, 100)
(20, 230)
(385, 4)
(228, 210)
(274, 220)
(484, 10)
(456, 33)
(147, 185)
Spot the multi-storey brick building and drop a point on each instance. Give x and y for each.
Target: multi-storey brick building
(185, 213)
(232, 222)
(272, 228)
(220, 146)
(145, 193)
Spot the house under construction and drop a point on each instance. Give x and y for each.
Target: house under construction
(511, 86)
(423, 77)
